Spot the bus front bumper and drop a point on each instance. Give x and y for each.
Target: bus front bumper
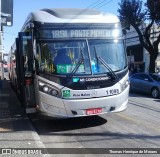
(66, 108)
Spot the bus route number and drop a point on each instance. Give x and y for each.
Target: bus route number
(112, 91)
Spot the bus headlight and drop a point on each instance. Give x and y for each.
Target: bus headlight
(49, 89)
(124, 85)
(45, 89)
(54, 92)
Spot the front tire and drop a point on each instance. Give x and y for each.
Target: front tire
(155, 92)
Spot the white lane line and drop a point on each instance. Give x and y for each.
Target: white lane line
(36, 137)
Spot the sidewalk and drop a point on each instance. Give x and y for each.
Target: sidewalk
(16, 130)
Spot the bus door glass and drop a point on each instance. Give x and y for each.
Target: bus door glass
(26, 64)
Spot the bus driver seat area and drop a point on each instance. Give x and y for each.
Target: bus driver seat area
(62, 57)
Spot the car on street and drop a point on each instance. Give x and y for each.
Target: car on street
(145, 83)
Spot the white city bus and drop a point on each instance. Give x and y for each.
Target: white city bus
(70, 63)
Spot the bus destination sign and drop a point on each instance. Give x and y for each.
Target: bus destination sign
(79, 33)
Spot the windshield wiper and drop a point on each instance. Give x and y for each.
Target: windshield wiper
(80, 61)
(114, 76)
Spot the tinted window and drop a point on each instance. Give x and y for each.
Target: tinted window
(144, 76)
(141, 77)
(155, 77)
(137, 76)
(62, 56)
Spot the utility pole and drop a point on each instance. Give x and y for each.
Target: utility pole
(1, 46)
(6, 19)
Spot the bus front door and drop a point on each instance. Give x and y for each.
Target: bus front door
(25, 71)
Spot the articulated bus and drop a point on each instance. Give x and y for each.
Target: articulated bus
(70, 63)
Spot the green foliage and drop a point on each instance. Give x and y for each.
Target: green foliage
(130, 12)
(153, 10)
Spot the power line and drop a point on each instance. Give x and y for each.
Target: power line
(105, 4)
(93, 4)
(99, 4)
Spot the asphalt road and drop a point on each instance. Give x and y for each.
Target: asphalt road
(136, 127)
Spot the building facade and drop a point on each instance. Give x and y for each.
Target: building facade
(138, 57)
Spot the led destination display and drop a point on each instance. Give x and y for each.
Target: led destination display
(80, 33)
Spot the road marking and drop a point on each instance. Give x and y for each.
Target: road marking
(142, 106)
(157, 128)
(36, 137)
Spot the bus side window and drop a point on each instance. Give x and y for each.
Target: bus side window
(37, 57)
(30, 55)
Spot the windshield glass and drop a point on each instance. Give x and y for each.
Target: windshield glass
(111, 51)
(61, 57)
(155, 77)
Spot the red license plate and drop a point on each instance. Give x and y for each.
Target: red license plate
(93, 111)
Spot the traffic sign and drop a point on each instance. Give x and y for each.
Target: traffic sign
(6, 12)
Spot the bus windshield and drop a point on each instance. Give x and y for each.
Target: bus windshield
(63, 56)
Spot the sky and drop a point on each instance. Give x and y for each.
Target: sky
(21, 9)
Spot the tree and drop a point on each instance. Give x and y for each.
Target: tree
(131, 14)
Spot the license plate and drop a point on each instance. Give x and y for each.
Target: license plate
(93, 111)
